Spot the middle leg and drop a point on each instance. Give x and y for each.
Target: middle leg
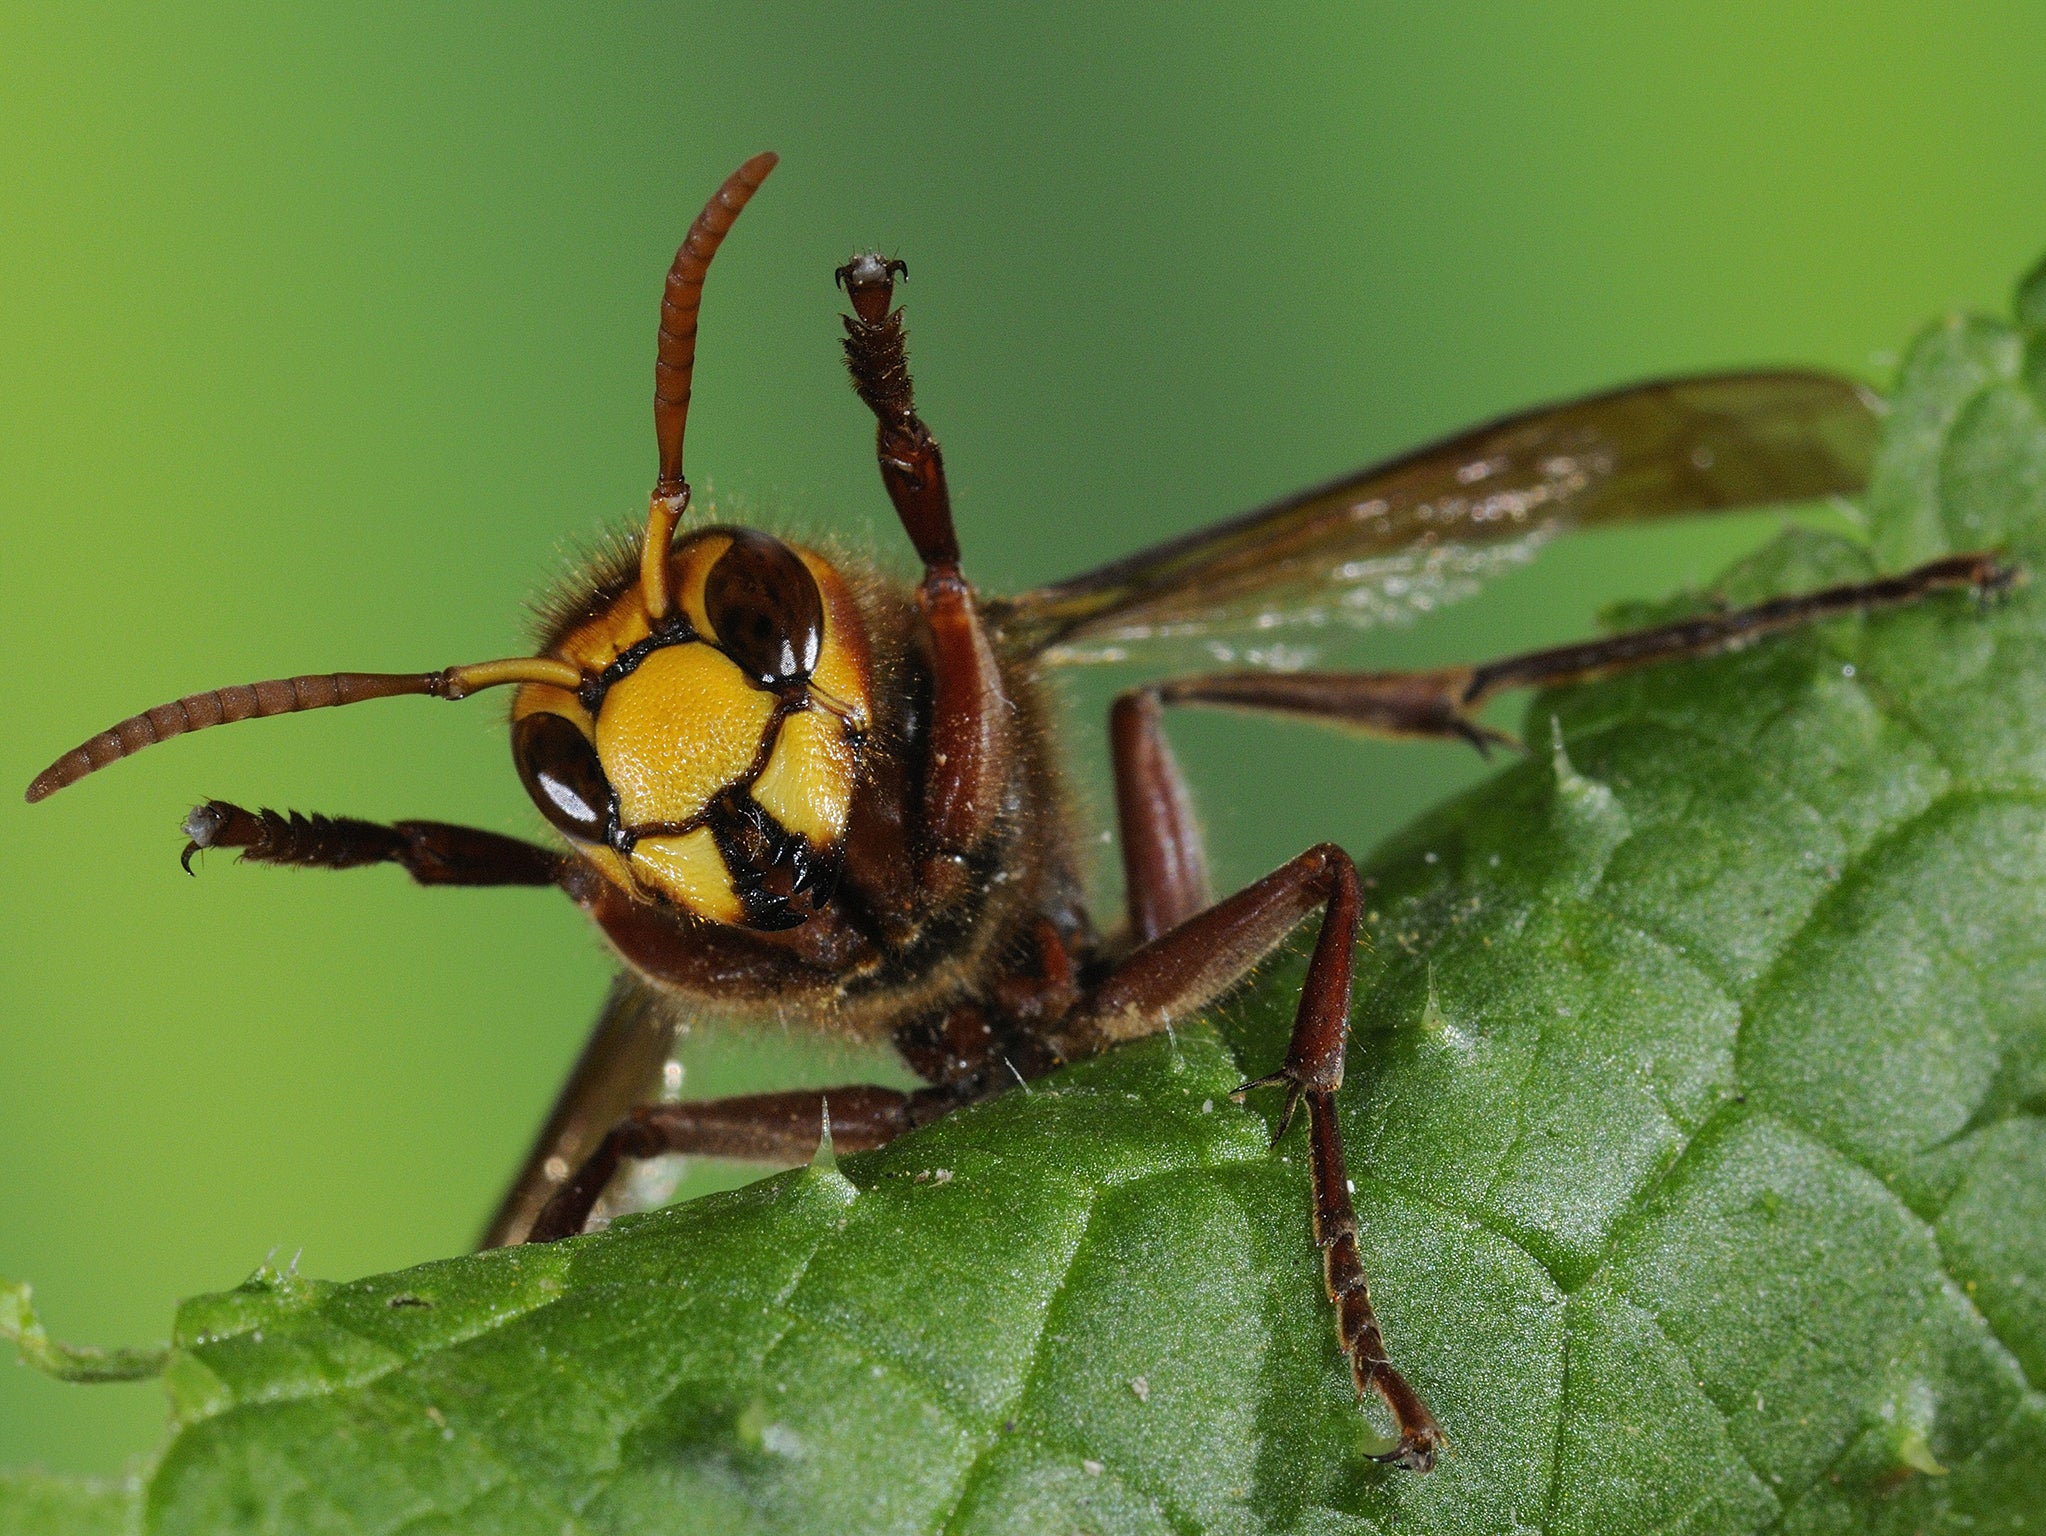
(1180, 970)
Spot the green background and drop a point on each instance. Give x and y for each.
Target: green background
(323, 341)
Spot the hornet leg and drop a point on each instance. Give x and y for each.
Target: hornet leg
(760, 1127)
(1443, 703)
(432, 852)
(1180, 970)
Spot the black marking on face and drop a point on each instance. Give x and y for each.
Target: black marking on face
(780, 878)
(673, 630)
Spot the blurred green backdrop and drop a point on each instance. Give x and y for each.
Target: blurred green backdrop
(324, 336)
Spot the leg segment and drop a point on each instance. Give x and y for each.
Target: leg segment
(761, 1127)
(970, 711)
(432, 852)
(1441, 703)
(1164, 869)
(620, 1067)
(1179, 971)
(1342, 1268)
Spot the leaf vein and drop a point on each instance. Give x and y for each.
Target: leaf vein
(975, 1469)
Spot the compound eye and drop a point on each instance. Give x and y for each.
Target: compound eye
(764, 604)
(561, 771)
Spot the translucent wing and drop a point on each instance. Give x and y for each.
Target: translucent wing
(1424, 529)
(620, 1069)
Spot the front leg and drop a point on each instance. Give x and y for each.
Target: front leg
(970, 748)
(432, 852)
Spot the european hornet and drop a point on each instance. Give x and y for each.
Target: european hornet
(781, 778)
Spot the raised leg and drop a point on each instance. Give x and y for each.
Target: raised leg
(761, 1127)
(432, 852)
(1443, 703)
(970, 711)
(1177, 972)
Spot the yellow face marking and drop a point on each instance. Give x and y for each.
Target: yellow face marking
(808, 782)
(687, 724)
(546, 699)
(611, 866)
(593, 646)
(681, 727)
(688, 870)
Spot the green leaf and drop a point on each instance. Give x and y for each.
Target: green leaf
(1697, 1109)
